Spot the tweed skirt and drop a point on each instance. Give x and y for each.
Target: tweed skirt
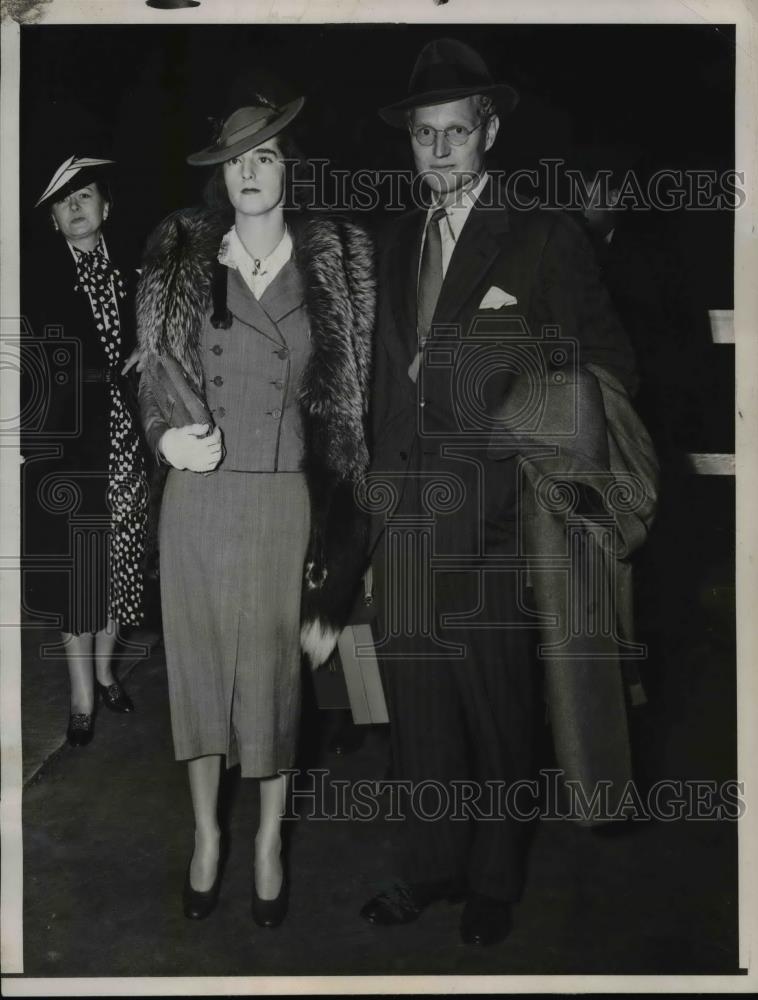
(232, 546)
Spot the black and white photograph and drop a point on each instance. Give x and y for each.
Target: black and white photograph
(378, 557)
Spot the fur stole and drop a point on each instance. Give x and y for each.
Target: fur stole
(182, 282)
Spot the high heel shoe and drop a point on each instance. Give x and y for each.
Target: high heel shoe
(198, 905)
(114, 697)
(81, 729)
(271, 912)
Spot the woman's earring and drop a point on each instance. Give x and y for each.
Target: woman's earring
(55, 225)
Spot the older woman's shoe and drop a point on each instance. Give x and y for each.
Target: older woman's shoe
(271, 912)
(81, 729)
(114, 697)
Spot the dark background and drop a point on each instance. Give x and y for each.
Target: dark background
(663, 96)
(145, 94)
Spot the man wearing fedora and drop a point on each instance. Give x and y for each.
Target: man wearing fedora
(458, 669)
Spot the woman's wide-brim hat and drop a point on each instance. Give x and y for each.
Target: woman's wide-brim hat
(448, 70)
(74, 173)
(244, 129)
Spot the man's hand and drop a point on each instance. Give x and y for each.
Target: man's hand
(189, 448)
(138, 358)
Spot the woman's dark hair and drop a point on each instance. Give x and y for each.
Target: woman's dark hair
(215, 194)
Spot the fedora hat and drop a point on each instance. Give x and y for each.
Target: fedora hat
(245, 128)
(448, 70)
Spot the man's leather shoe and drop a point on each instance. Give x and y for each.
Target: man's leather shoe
(114, 697)
(81, 729)
(485, 920)
(404, 902)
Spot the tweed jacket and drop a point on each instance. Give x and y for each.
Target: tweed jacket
(185, 297)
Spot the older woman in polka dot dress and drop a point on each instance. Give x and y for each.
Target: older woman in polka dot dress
(88, 293)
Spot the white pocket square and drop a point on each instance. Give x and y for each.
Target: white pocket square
(496, 298)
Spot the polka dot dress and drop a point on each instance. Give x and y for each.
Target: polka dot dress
(127, 479)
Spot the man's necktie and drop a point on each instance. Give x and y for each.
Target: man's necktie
(429, 285)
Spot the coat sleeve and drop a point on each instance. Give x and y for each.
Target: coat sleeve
(172, 297)
(571, 294)
(154, 423)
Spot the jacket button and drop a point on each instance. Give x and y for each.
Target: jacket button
(283, 353)
(218, 380)
(217, 349)
(276, 413)
(221, 411)
(404, 455)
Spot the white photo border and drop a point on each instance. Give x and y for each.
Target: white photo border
(281, 12)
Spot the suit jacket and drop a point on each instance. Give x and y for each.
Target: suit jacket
(252, 373)
(561, 317)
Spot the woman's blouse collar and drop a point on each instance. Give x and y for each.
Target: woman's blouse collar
(257, 273)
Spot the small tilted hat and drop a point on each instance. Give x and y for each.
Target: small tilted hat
(244, 129)
(74, 173)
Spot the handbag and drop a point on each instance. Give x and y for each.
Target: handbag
(350, 678)
(359, 662)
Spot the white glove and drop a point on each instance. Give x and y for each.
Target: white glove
(187, 448)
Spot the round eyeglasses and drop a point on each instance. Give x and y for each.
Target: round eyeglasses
(456, 135)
